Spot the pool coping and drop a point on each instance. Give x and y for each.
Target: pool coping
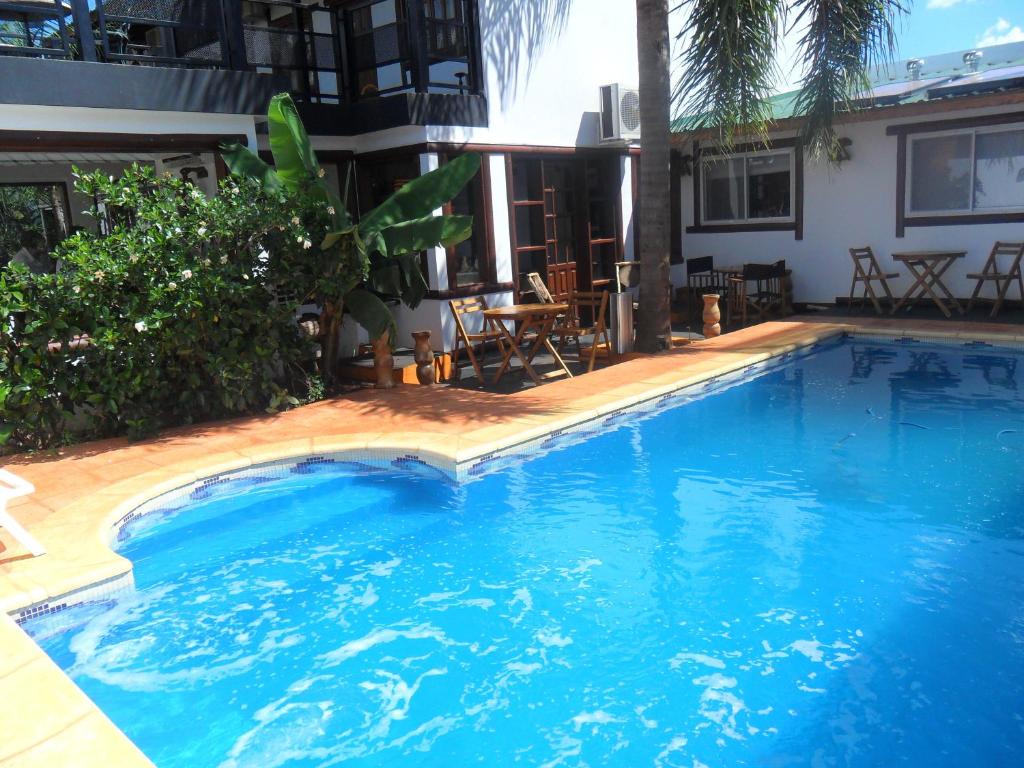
(79, 525)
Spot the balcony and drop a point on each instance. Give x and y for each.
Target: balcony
(356, 66)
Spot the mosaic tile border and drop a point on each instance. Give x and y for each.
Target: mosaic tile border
(99, 592)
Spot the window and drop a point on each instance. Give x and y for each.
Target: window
(396, 46)
(378, 41)
(971, 171)
(33, 219)
(748, 187)
(448, 44)
(471, 262)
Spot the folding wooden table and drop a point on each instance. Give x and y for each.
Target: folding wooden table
(928, 267)
(536, 317)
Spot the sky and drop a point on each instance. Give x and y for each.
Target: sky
(942, 26)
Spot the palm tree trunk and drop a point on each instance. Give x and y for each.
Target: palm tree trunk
(653, 46)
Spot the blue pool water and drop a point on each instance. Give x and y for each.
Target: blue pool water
(820, 566)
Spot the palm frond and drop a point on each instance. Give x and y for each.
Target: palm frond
(843, 41)
(728, 62)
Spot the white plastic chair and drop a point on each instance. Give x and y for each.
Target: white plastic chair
(11, 487)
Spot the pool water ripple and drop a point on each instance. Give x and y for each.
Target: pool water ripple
(819, 566)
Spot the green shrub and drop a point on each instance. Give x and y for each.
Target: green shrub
(178, 305)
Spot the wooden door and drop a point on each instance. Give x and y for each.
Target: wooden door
(565, 221)
(560, 227)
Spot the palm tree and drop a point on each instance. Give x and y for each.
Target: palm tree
(728, 63)
(653, 47)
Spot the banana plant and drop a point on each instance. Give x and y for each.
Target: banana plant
(366, 259)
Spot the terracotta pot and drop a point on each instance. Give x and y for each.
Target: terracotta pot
(712, 316)
(384, 361)
(424, 357)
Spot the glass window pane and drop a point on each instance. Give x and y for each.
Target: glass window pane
(469, 253)
(723, 189)
(383, 13)
(768, 184)
(33, 219)
(999, 170)
(941, 173)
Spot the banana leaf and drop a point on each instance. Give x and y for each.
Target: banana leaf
(370, 312)
(293, 153)
(423, 195)
(419, 234)
(242, 161)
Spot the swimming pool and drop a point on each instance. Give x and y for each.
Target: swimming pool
(821, 565)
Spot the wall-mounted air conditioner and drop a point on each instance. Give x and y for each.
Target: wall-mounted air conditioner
(620, 113)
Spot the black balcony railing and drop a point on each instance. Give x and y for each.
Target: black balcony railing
(356, 50)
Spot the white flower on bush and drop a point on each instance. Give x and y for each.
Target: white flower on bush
(140, 326)
(186, 274)
(245, 277)
(295, 220)
(133, 258)
(224, 259)
(206, 262)
(172, 286)
(201, 231)
(76, 289)
(98, 274)
(321, 173)
(306, 244)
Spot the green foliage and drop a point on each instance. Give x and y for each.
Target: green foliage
(376, 257)
(730, 60)
(177, 305)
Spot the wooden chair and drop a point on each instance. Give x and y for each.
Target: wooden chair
(701, 278)
(539, 288)
(867, 271)
(460, 308)
(597, 303)
(759, 289)
(1002, 279)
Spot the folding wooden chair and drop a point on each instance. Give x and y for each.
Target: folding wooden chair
(597, 303)
(759, 289)
(539, 288)
(468, 306)
(991, 273)
(866, 270)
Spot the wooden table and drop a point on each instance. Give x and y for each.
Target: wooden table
(928, 267)
(537, 317)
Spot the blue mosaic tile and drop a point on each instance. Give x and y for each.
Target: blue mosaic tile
(310, 465)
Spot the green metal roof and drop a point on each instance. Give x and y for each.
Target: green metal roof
(891, 85)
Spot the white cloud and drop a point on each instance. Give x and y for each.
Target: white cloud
(944, 3)
(1001, 32)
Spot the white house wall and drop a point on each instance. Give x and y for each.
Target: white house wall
(853, 205)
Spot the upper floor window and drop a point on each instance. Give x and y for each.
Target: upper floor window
(748, 187)
(964, 172)
(411, 45)
(449, 40)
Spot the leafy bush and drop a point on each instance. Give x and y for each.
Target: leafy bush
(178, 305)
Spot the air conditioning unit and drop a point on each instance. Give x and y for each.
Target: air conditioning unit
(620, 113)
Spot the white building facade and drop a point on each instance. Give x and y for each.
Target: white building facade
(937, 166)
(388, 88)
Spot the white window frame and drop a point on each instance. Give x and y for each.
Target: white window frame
(910, 213)
(714, 157)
